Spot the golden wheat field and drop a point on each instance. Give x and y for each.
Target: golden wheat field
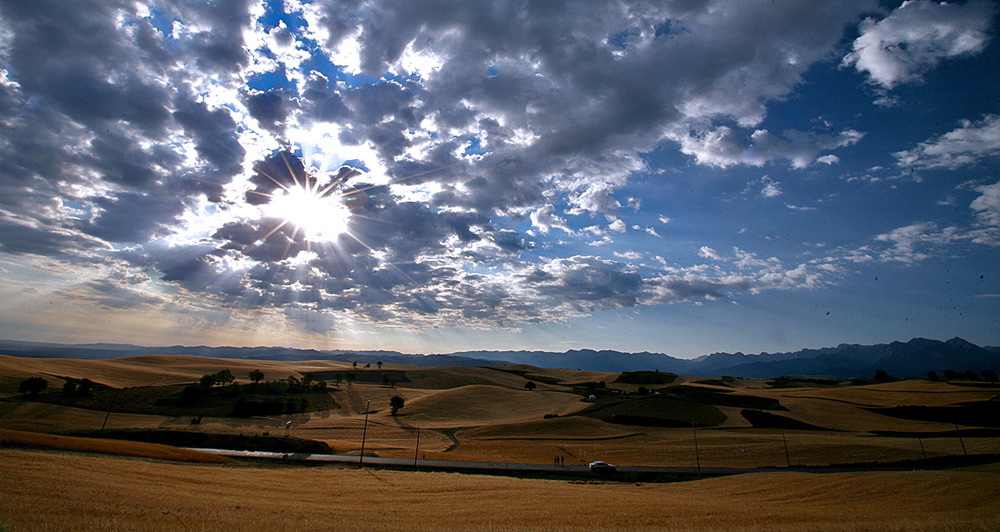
(55, 482)
(54, 491)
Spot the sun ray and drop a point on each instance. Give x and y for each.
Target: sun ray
(276, 182)
(275, 230)
(391, 265)
(292, 172)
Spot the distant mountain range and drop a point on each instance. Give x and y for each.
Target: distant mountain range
(899, 359)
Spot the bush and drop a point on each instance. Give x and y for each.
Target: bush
(395, 404)
(32, 386)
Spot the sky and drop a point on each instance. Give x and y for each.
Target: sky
(432, 176)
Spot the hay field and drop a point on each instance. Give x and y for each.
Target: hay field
(48, 492)
(486, 414)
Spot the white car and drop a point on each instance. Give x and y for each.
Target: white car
(601, 467)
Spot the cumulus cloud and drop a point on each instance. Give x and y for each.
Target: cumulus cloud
(155, 138)
(725, 146)
(916, 36)
(772, 188)
(709, 253)
(967, 145)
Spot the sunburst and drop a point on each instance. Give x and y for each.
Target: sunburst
(322, 213)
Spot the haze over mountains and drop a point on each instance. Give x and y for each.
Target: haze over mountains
(900, 359)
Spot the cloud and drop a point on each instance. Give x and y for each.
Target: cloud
(135, 138)
(545, 219)
(724, 147)
(987, 210)
(967, 145)
(772, 189)
(709, 253)
(916, 36)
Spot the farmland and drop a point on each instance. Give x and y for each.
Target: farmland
(490, 414)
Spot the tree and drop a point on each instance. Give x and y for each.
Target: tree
(337, 377)
(69, 389)
(933, 376)
(350, 377)
(989, 376)
(971, 375)
(256, 376)
(355, 364)
(379, 364)
(307, 379)
(224, 377)
(85, 387)
(395, 404)
(950, 375)
(385, 380)
(32, 386)
(530, 385)
(881, 376)
(207, 380)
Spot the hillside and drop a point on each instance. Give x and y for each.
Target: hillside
(912, 359)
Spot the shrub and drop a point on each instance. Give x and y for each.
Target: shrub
(32, 386)
(395, 404)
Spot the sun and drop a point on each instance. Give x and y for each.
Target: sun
(321, 217)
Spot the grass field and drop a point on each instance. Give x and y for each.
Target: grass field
(47, 492)
(486, 414)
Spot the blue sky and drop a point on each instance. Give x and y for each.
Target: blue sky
(435, 176)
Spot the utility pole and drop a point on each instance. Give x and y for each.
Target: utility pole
(959, 434)
(417, 448)
(697, 456)
(106, 416)
(364, 433)
(788, 461)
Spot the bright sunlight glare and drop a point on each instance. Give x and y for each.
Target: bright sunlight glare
(320, 217)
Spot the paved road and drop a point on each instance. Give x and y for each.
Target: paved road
(506, 467)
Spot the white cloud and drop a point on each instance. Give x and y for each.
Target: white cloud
(664, 219)
(910, 243)
(772, 188)
(629, 255)
(963, 146)
(915, 37)
(617, 226)
(723, 146)
(545, 219)
(709, 253)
